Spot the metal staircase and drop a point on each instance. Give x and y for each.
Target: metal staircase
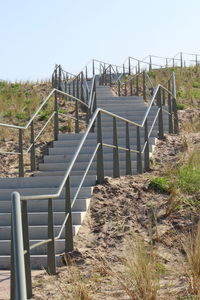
(119, 139)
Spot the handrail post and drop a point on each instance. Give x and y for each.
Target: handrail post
(144, 85)
(119, 88)
(128, 152)
(93, 68)
(81, 87)
(69, 246)
(73, 87)
(137, 85)
(160, 117)
(110, 79)
(139, 154)
(170, 109)
(100, 163)
(116, 168)
(77, 86)
(174, 106)
(181, 59)
(56, 117)
(76, 117)
(32, 152)
(146, 151)
(21, 156)
(123, 70)
(18, 250)
(59, 77)
(25, 231)
(131, 87)
(125, 89)
(150, 63)
(51, 259)
(138, 66)
(129, 65)
(56, 77)
(86, 74)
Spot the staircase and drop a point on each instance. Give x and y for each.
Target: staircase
(54, 165)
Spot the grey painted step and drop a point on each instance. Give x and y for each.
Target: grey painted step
(35, 232)
(6, 193)
(41, 218)
(37, 261)
(34, 182)
(38, 205)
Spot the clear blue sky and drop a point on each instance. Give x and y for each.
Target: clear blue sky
(35, 35)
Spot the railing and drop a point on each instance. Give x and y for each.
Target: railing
(54, 116)
(21, 258)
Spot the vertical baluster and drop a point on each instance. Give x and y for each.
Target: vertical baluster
(119, 88)
(131, 87)
(21, 156)
(160, 117)
(32, 148)
(51, 258)
(100, 163)
(139, 154)
(116, 169)
(20, 288)
(144, 85)
(68, 225)
(128, 152)
(77, 117)
(146, 151)
(110, 79)
(137, 85)
(26, 248)
(170, 109)
(56, 116)
(129, 65)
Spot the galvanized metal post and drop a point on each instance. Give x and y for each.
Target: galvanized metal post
(146, 151)
(93, 68)
(56, 77)
(119, 88)
(139, 154)
(73, 87)
(69, 246)
(81, 87)
(21, 156)
(150, 63)
(163, 97)
(128, 152)
(86, 73)
(26, 248)
(32, 152)
(110, 79)
(170, 109)
(51, 258)
(174, 106)
(100, 163)
(59, 83)
(12, 267)
(131, 87)
(116, 168)
(76, 117)
(144, 85)
(56, 116)
(181, 59)
(138, 66)
(129, 65)
(77, 86)
(160, 117)
(20, 277)
(137, 85)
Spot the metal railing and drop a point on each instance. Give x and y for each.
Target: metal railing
(23, 281)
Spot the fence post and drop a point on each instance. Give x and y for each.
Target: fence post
(138, 66)
(144, 85)
(86, 75)
(146, 151)
(110, 79)
(76, 117)
(123, 70)
(18, 250)
(160, 117)
(51, 245)
(119, 88)
(150, 63)
(128, 152)
(137, 85)
(32, 148)
(100, 163)
(59, 83)
(181, 59)
(56, 116)
(68, 225)
(131, 87)
(139, 154)
(21, 156)
(116, 168)
(93, 68)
